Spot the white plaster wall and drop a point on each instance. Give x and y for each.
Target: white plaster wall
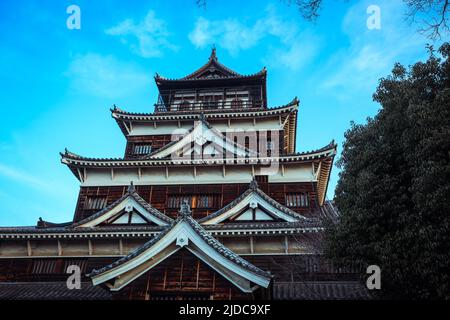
(185, 175)
(165, 127)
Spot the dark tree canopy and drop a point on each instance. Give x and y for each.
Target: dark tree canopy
(393, 191)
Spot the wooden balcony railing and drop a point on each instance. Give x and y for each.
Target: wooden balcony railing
(208, 105)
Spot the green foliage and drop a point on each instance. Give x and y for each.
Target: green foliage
(394, 188)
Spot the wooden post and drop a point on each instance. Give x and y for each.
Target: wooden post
(165, 278)
(90, 247)
(60, 252)
(181, 271)
(120, 247)
(147, 295)
(29, 253)
(198, 273)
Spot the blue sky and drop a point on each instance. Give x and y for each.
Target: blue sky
(57, 85)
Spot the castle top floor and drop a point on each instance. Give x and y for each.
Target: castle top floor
(212, 87)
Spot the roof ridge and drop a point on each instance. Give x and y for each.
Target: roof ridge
(201, 121)
(253, 187)
(131, 192)
(199, 230)
(212, 64)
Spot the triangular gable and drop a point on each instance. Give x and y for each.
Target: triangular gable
(201, 139)
(186, 233)
(212, 69)
(129, 209)
(253, 205)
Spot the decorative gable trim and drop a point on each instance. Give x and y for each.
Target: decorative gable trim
(253, 198)
(185, 232)
(129, 204)
(202, 134)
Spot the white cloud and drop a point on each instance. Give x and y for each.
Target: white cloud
(230, 33)
(23, 177)
(105, 76)
(147, 38)
(293, 49)
(371, 54)
(296, 55)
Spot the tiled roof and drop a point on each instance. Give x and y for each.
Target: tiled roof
(210, 240)
(136, 252)
(202, 121)
(213, 65)
(254, 188)
(105, 229)
(130, 193)
(51, 291)
(224, 251)
(309, 223)
(327, 151)
(320, 290)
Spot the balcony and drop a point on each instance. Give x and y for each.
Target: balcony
(183, 106)
(209, 99)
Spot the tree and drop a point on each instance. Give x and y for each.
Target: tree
(393, 192)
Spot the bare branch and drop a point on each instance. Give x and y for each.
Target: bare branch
(201, 3)
(433, 14)
(309, 9)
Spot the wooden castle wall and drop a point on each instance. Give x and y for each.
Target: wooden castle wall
(284, 268)
(181, 276)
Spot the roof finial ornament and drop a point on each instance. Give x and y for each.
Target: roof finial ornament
(185, 209)
(254, 184)
(131, 187)
(213, 53)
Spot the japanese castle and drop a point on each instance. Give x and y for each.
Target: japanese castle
(211, 200)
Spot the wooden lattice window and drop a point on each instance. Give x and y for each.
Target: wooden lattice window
(175, 201)
(297, 200)
(194, 201)
(205, 201)
(142, 149)
(95, 203)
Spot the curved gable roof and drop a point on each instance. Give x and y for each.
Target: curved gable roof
(183, 232)
(280, 211)
(137, 202)
(201, 130)
(212, 69)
